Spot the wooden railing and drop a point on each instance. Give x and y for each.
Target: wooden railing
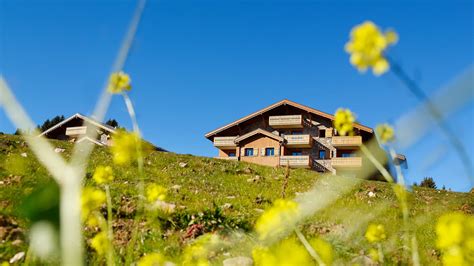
(300, 161)
(74, 131)
(346, 141)
(346, 162)
(286, 121)
(224, 142)
(298, 141)
(233, 158)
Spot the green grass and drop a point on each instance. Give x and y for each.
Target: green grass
(206, 186)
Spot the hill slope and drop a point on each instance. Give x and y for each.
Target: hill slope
(223, 195)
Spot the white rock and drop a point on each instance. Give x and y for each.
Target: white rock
(371, 194)
(182, 165)
(238, 261)
(176, 188)
(24, 154)
(59, 150)
(18, 256)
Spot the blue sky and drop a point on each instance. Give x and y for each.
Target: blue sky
(197, 65)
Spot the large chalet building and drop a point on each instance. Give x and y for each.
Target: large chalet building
(290, 134)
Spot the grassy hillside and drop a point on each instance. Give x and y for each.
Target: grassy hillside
(221, 196)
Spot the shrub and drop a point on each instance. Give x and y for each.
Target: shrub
(428, 182)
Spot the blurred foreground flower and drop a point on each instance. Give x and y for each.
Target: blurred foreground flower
(197, 252)
(290, 252)
(100, 243)
(385, 133)
(91, 200)
(278, 218)
(375, 233)
(125, 147)
(455, 233)
(152, 259)
(155, 192)
(118, 82)
(43, 239)
(103, 174)
(367, 46)
(343, 121)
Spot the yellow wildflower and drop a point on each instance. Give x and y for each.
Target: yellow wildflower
(103, 174)
(155, 192)
(152, 259)
(196, 254)
(118, 82)
(100, 243)
(91, 199)
(374, 254)
(367, 46)
(278, 218)
(323, 249)
(385, 133)
(343, 121)
(286, 252)
(124, 147)
(375, 233)
(455, 233)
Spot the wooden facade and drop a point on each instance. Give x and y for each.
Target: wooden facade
(289, 134)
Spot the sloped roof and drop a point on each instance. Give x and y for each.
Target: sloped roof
(256, 132)
(83, 117)
(280, 103)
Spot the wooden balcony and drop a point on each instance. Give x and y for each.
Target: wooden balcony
(233, 158)
(346, 162)
(76, 131)
(346, 141)
(225, 142)
(299, 141)
(300, 161)
(286, 121)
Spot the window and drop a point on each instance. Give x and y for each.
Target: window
(231, 154)
(322, 133)
(269, 151)
(347, 154)
(297, 132)
(322, 154)
(296, 153)
(248, 151)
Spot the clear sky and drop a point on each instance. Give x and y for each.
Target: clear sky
(197, 65)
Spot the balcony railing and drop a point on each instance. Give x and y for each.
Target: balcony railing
(298, 141)
(300, 161)
(346, 162)
(74, 131)
(225, 142)
(286, 121)
(233, 158)
(347, 141)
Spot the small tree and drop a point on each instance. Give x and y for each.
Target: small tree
(428, 182)
(113, 123)
(49, 123)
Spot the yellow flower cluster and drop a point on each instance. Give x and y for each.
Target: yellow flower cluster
(455, 233)
(152, 259)
(155, 192)
(118, 82)
(385, 133)
(278, 218)
(100, 243)
(367, 45)
(375, 233)
(124, 147)
(290, 252)
(103, 174)
(91, 200)
(196, 254)
(344, 121)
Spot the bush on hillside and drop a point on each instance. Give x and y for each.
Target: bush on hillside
(428, 182)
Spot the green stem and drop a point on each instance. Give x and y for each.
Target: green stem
(110, 230)
(309, 248)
